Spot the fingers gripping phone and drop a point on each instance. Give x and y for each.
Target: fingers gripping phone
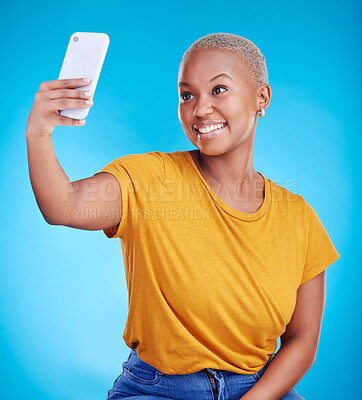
(84, 59)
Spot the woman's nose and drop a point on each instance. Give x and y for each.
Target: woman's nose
(203, 107)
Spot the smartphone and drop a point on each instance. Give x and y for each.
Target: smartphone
(84, 59)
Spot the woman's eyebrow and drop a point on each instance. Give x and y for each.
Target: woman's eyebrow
(212, 79)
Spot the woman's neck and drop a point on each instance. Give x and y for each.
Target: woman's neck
(233, 176)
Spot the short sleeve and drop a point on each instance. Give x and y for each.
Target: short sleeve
(134, 172)
(320, 249)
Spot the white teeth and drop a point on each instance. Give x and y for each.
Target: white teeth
(210, 128)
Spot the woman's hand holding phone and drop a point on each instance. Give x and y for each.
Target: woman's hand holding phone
(53, 96)
(65, 102)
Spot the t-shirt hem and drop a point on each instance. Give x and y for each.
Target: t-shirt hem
(124, 193)
(321, 267)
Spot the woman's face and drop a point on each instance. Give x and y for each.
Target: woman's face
(206, 98)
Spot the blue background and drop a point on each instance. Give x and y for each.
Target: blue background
(63, 298)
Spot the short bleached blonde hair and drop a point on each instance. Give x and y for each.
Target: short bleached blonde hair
(243, 47)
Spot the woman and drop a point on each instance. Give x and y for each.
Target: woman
(220, 261)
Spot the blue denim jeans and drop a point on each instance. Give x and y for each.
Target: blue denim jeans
(141, 381)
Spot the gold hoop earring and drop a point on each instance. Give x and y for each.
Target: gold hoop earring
(262, 111)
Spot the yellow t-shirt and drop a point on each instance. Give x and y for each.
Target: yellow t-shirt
(208, 285)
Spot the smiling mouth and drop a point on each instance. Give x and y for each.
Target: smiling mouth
(211, 134)
(205, 129)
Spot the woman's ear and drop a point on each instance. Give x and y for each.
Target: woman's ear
(264, 96)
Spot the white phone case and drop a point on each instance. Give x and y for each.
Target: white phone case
(84, 58)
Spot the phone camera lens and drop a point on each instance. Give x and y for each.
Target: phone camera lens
(75, 38)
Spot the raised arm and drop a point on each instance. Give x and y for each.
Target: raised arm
(93, 203)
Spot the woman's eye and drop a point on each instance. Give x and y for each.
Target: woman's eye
(185, 94)
(219, 87)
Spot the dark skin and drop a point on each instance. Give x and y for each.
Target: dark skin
(226, 161)
(228, 158)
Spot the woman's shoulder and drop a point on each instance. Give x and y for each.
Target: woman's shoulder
(152, 164)
(155, 156)
(285, 194)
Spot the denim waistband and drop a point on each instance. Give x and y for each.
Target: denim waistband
(136, 359)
